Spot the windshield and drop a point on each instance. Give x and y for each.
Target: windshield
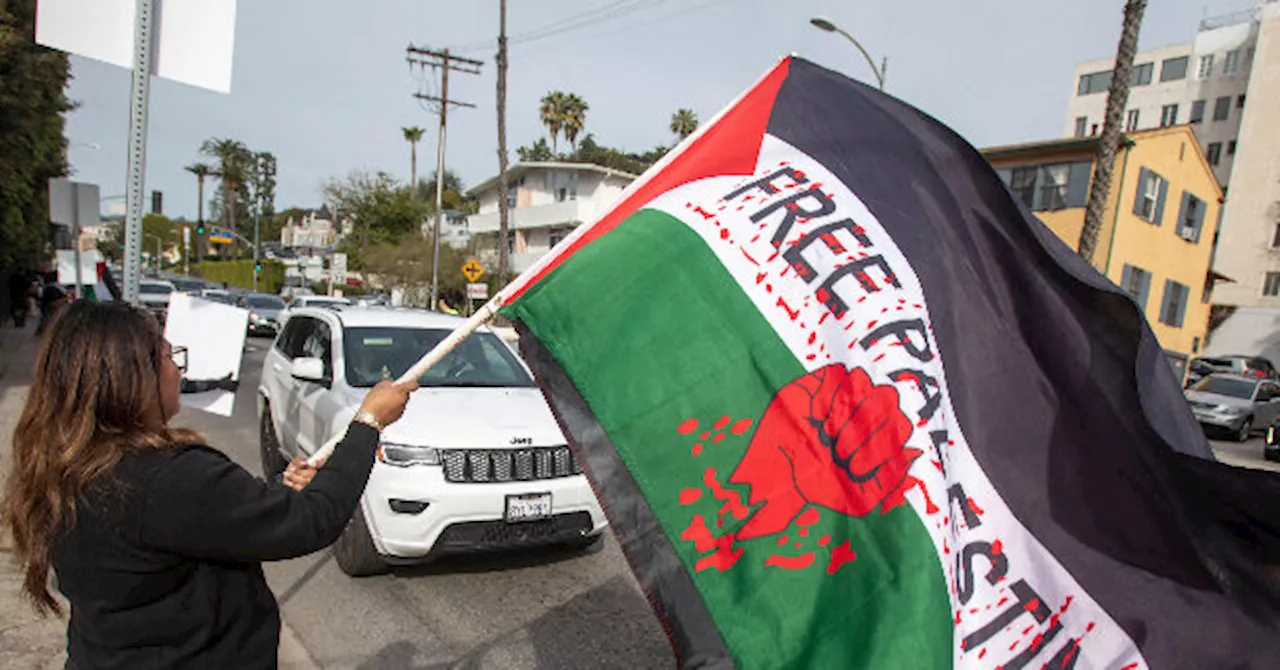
(265, 301)
(482, 360)
(224, 298)
(1236, 388)
(187, 285)
(324, 301)
(155, 288)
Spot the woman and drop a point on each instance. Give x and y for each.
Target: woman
(157, 539)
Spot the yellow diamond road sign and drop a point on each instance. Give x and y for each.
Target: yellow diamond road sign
(472, 270)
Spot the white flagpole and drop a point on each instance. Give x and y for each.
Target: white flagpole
(501, 298)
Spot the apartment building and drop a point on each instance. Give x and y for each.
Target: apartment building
(1157, 236)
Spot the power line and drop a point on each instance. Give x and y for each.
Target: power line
(613, 10)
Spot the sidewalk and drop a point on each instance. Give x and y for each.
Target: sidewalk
(27, 641)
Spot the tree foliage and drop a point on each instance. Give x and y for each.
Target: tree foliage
(382, 209)
(454, 196)
(405, 263)
(111, 244)
(563, 113)
(683, 123)
(32, 147)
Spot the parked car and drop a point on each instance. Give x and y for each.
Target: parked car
(188, 285)
(476, 463)
(218, 295)
(1249, 366)
(318, 301)
(154, 295)
(264, 312)
(1235, 403)
(1271, 446)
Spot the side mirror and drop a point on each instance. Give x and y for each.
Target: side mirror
(309, 370)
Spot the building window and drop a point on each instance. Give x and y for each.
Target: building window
(1272, 284)
(1233, 62)
(1240, 102)
(1082, 125)
(1174, 69)
(1231, 148)
(1221, 108)
(1094, 130)
(1197, 112)
(557, 235)
(1096, 82)
(1275, 238)
(563, 185)
(1195, 345)
(1206, 67)
(1050, 187)
(1168, 116)
(511, 196)
(1213, 153)
(1152, 191)
(1023, 185)
(1191, 217)
(1142, 74)
(1131, 121)
(1137, 283)
(1174, 306)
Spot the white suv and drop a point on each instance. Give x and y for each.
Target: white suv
(477, 462)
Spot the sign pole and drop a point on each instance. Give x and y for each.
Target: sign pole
(75, 235)
(143, 34)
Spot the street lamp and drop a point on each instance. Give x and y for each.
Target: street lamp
(827, 25)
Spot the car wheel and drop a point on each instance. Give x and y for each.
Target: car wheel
(1242, 435)
(354, 551)
(273, 462)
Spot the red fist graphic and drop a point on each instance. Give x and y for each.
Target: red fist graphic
(829, 438)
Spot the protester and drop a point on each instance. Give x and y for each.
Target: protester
(156, 540)
(21, 285)
(447, 308)
(52, 299)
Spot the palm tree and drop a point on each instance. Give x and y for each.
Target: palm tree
(413, 135)
(233, 166)
(552, 112)
(575, 117)
(1117, 99)
(201, 171)
(684, 122)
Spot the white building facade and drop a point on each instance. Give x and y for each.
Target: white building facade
(547, 201)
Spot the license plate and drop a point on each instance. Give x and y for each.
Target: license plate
(528, 507)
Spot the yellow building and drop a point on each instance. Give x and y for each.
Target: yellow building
(1160, 225)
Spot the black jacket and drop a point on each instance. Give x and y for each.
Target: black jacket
(162, 566)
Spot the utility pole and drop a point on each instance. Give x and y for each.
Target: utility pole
(504, 207)
(445, 62)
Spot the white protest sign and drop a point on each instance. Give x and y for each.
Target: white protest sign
(214, 335)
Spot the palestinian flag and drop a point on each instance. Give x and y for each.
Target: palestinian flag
(848, 405)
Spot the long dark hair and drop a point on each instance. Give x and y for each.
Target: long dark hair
(94, 396)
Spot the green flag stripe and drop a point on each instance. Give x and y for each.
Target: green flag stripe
(678, 365)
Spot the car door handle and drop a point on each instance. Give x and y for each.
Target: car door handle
(277, 367)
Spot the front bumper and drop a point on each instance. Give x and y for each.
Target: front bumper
(462, 518)
(263, 328)
(1217, 419)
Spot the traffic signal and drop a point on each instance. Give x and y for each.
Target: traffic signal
(200, 229)
(257, 267)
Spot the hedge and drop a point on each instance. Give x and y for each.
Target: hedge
(240, 274)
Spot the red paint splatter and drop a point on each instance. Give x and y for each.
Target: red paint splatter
(1089, 628)
(793, 313)
(958, 613)
(839, 556)
(799, 545)
(760, 277)
(741, 427)
(733, 502)
(705, 214)
(1002, 601)
(705, 435)
(791, 562)
(1027, 630)
(771, 256)
(1131, 666)
(997, 547)
(744, 253)
(974, 506)
(724, 233)
(782, 540)
(937, 464)
(690, 496)
(757, 237)
(804, 532)
(809, 517)
(724, 557)
(813, 337)
(721, 422)
(810, 357)
(851, 323)
(872, 324)
(824, 540)
(697, 449)
(982, 653)
(824, 317)
(699, 534)
(1015, 645)
(688, 427)
(717, 438)
(768, 288)
(1032, 605)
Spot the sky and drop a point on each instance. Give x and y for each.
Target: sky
(324, 84)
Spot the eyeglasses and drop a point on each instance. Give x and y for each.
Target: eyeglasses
(180, 358)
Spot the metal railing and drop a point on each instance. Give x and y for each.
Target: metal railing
(1234, 18)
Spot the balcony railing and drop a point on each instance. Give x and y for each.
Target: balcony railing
(572, 212)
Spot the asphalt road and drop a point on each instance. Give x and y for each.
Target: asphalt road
(533, 609)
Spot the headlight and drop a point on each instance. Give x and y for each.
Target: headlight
(1233, 410)
(253, 317)
(404, 455)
